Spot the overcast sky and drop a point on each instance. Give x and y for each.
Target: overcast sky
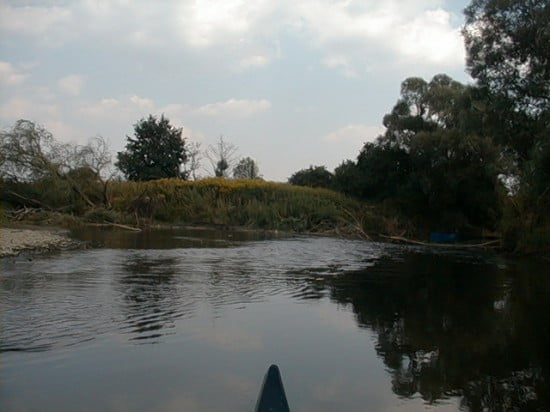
(290, 83)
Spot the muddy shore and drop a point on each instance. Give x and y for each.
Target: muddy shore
(14, 241)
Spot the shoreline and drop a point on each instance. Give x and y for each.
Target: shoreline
(14, 241)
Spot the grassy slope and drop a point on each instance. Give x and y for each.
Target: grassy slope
(250, 203)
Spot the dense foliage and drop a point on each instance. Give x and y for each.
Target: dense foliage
(247, 168)
(434, 159)
(508, 44)
(508, 47)
(457, 157)
(314, 176)
(157, 151)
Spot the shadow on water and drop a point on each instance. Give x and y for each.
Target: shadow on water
(447, 327)
(168, 238)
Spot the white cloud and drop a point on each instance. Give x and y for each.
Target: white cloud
(342, 64)
(63, 131)
(354, 133)
(71, 84)
(10, 76)
(430, 36)
(44, 23)
(253, 61)
(20, 107)
(385, 30)
(351, 137)
(141, 102)
(103, 108)
(204, 23)
(346, 142)
(234, 108)
(351, 35)
(114, 117)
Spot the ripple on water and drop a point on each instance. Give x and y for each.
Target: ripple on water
(73, 297)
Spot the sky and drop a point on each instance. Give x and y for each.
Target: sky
(289, 83)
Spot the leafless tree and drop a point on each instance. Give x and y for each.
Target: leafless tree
(193, 162)
(222, 157)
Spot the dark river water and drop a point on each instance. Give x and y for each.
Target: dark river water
(191, 320)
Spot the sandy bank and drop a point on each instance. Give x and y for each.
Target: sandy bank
(14, 241)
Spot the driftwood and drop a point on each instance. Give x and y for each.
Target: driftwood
(133, 229)
(24, 212)
(28, 199)
(491, 243)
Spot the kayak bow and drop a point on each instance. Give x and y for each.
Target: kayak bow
(272, 395)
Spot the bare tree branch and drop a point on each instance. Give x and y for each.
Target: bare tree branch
(222, 157)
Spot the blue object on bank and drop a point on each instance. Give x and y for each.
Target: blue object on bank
(272, 395)
(442, 237)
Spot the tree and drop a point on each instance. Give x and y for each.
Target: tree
(222, 157)
(157, 151)
(434, 161)
(247, 168)
(193, 161)
(508, 53)
(314, 176)
(30, 158)
(508, 47)
(383, 170)
(347, 178)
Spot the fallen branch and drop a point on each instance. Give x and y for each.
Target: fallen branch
(22, 213)
(28, 199)
(107, 224)
(134, 229)
(357, 225)
(491, 243)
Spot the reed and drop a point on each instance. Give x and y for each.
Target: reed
(231, 202)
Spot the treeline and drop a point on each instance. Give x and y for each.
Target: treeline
(44, 180)
(158, 150)
(464, 158)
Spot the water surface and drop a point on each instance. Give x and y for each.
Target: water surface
(190, 320)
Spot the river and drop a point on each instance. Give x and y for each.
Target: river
(190, 320)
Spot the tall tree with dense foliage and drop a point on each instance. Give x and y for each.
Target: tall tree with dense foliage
(508, 54)
(347, 178)
(508, 45)
(433, 161)
(156, 151)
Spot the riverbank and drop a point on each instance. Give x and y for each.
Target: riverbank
(13, 241)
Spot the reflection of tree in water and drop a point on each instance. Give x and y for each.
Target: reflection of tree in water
(447, 328)
(150, 295)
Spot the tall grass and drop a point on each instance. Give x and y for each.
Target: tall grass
(250, 203)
